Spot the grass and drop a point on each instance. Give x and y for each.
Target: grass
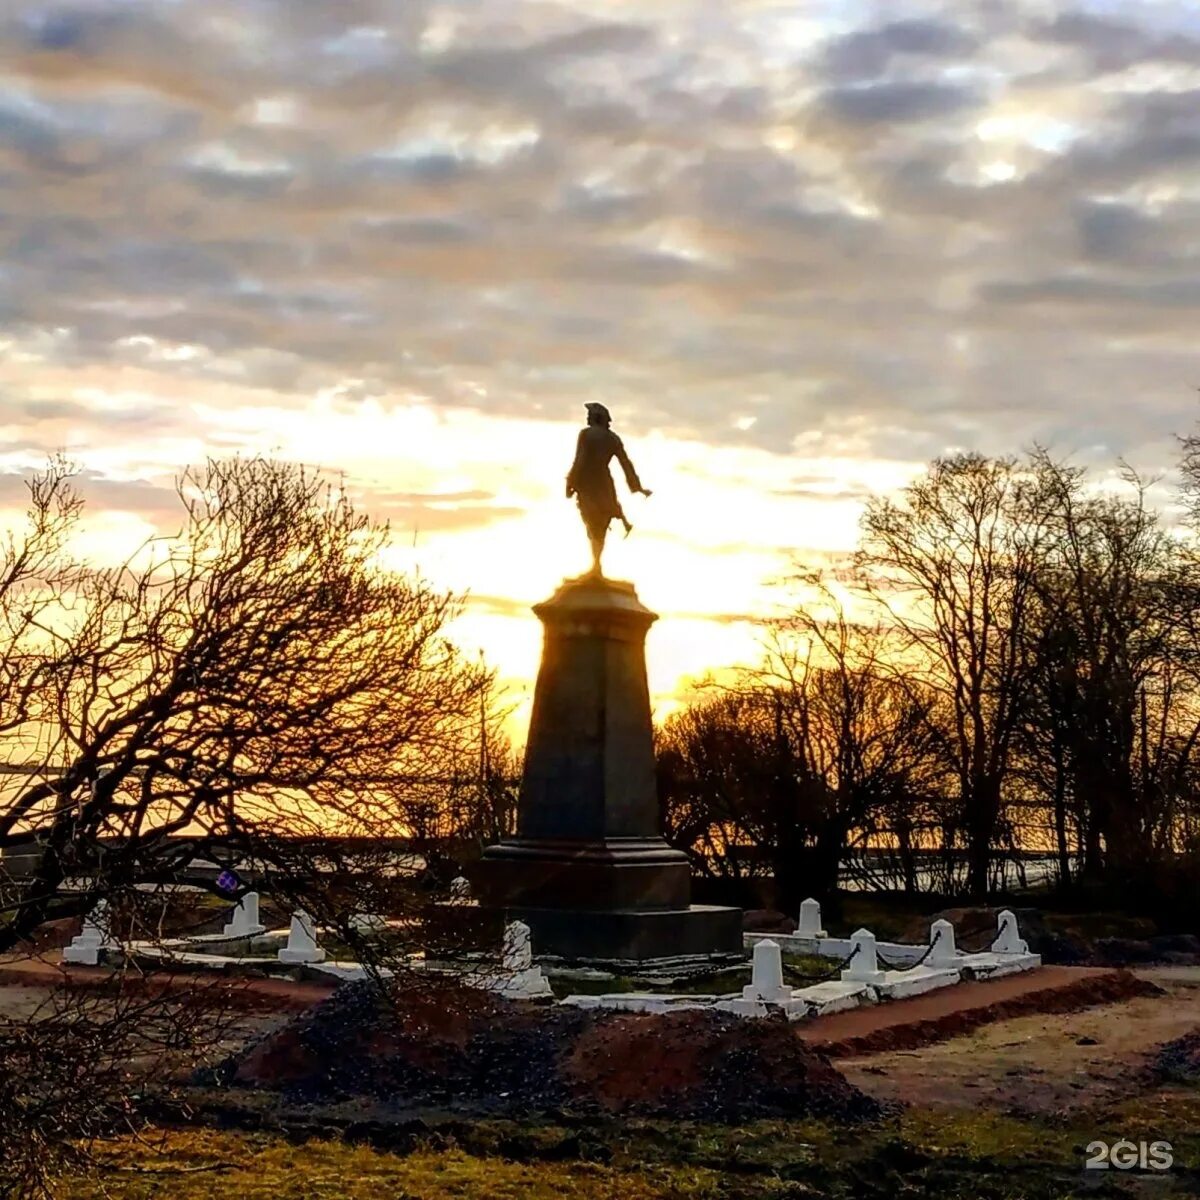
(190, 1164)
(918, 1153)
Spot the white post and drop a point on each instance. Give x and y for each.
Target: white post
(460, 889)
(864, 966)
(244, 920)
(95, 936)
(302, 941)
(766, 974)
(1008, 936)
(810, 920)
(516, 954)
(941, 938)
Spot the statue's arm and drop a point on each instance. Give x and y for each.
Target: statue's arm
(573, 473)
(631, 476)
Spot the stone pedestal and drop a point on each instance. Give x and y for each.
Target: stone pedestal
(588, 870)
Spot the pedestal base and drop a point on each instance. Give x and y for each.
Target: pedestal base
(578, 873)
(588, 870)
(629, 936)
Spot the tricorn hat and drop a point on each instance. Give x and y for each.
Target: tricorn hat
(598, 412)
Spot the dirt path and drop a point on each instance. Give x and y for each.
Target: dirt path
(954, 1011)
(269, 995)
(1041, 1063)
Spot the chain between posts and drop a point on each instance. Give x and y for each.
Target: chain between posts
(989, 938)
(834, 973)
(888, 964)
(891, 966)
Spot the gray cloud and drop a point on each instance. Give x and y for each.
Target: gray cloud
(929, 229)
(898, 101)
(157, 502)
(868, 53)
(1114, 45)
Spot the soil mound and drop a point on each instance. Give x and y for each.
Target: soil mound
(767, 920)
(468, 1050)
(1179, 1061)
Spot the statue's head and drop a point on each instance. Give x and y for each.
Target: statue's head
(597, 414)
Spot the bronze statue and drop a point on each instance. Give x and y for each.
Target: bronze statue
(590, 481)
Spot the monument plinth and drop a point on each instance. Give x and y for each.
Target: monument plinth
(588, 870)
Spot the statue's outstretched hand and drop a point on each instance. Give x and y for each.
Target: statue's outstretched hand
(647, 492)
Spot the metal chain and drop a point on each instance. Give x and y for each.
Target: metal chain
(887, 963)
(989, 938)
(891, 966)
(834, 973)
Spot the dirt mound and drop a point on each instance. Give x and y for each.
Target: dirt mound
(1107, 988)
(1179, 1061)
(705, 1065)
(475, 1052)
(767, 920)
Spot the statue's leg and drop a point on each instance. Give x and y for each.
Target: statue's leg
(597, 541)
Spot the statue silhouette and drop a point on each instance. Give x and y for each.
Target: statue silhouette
(590, 481)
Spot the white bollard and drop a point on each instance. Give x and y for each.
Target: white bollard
(864, 966)
(460, 889)
(766, 974)
(244, 920)
(516, 953)
(944, 952)
(302, 941)
(810, 920)
(84, 950)
(1008, 936)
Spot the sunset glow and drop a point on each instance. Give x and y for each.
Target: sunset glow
(796, 253)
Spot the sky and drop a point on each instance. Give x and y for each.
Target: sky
(796, 248)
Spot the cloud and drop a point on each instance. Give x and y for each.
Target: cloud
(158, 502)
(1114, 45)
(834, 233)
(899, 101)
(868, 53)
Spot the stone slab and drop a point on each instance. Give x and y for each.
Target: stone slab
(995, 966)
(899, 985)
(834, 996)
(642, 1002)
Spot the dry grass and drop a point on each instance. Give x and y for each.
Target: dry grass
(951, 1155)
(189, 1164)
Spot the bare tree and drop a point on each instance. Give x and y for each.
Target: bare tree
(35, 569)
(952, 563)
(818, 751)
(255, 681)
(257, 690)
(726, 784)
(1114, 721)
(869, 737)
